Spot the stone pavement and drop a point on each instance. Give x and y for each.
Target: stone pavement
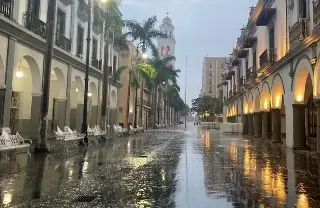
(170, 167)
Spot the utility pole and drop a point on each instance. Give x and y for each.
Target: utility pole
(44, 107)
(185, 94)
(84, 128)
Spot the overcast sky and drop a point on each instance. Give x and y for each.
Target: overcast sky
(202, 28)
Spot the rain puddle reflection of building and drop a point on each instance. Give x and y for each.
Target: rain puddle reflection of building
(252, 172)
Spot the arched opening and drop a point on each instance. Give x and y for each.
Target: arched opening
(26, 97)
(311, 115)
(113, 100)
(93, 105)
(57, 100)
(76, 103)
(304, 112)
(277, 103)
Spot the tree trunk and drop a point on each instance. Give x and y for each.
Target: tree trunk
(135, 108)
(51, 16)
(141, 102)
(128, 100)
(155, 109)
(105, 83)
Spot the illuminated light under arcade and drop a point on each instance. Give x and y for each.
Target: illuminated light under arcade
(265, 105)
(19, 74)
(299, 98)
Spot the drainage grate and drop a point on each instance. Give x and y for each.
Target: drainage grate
(86, 198)
(143, 156)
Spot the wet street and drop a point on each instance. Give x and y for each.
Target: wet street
(170, 167)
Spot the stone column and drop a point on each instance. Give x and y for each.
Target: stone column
(9, 77)
(276, 125)
(31, 126)
(265, 125)
(257, 124)
(68, 105)
(2, 93)
(245, 124)
(299, 129)
(317, 104)
(250, 124)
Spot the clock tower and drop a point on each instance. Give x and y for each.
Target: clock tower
(166, 46)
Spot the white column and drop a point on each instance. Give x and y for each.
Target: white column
(237, 77)
(243, 67)
(250, 58)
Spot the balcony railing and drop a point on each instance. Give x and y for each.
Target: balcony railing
(96, 63)
(267, 58)
(6, 7)
(316, 13)
(63, 42)
(251, 75)
(298, 31)
(34, 24)
(83, 10)
(97, 20)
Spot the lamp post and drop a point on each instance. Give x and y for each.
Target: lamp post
(44, 107)
(84, 128)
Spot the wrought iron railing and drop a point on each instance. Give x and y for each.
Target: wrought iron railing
(267, 57)
(83, 7)
(316, 13)
(6, 7)
(251, 73)
(34, 24)
(298, 31)
(96, 63)
(63, 42)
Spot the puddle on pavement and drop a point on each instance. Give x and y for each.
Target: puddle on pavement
(170, 168)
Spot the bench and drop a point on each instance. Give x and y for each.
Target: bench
(96, 132)
(119, 130)
(12, 142)
(68, 135)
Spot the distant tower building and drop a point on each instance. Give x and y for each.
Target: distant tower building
(211, 75)
(166, 46)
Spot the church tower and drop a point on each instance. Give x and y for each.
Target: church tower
(166, 46)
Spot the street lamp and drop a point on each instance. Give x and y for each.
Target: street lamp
(86, 95)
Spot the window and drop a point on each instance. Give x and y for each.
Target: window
(271, 37)
(94, 48)
(254, 59)
(34, 7)
(210, 65)
(114, 63)
(303, 9)
(210, 90)
(80, 40)
(61, 22)
(210, 83)
(170, 34)
(210, 73)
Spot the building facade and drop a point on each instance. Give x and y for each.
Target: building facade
(22, 36)
(211, 75)
(274, 78)
(124, 78)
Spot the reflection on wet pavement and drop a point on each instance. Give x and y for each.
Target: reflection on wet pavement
(165, 168)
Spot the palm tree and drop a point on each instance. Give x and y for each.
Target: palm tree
(134, 81)
(165, 73)
(113, 26)
(143, 34)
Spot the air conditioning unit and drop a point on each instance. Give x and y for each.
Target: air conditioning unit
(80, 55)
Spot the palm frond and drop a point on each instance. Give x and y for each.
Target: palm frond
(116, 75)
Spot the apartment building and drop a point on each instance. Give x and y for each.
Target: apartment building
(274, 74)
(211, 75)
(23, 36)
